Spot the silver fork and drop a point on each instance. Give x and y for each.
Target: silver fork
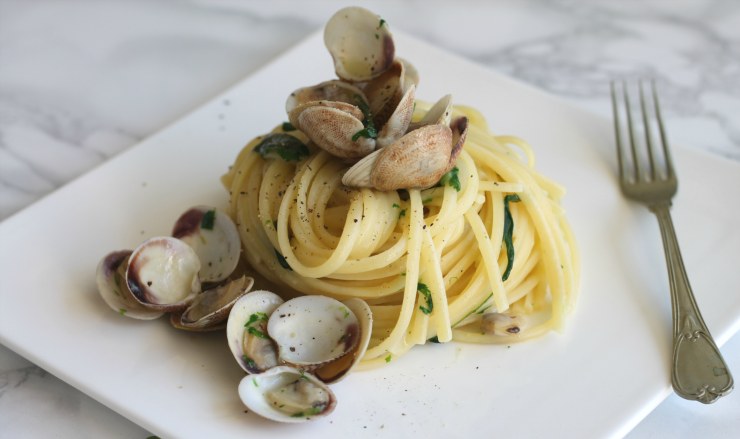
(698, 371)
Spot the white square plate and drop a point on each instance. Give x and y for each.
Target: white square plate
(598, 378)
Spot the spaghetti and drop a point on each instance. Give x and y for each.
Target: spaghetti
(489, 258)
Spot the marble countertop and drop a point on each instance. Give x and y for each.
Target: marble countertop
(81, 81)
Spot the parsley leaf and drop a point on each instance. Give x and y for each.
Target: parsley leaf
(287, 126)
(249, 362)
(451, 178)
(424, 291)
(256, 332)
(369, 131)
(313, 411)
(209, 218)
(282, 261)
(508, 234)
(284, 146)
(256, 317)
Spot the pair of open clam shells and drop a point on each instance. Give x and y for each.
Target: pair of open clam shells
(186, 274)
(365, 117)
(293, 349)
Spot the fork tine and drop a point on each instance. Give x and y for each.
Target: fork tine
(631, 131)
(617, 130)
(670, 173)
(648, 133)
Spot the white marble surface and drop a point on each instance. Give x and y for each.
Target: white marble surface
(81, 81)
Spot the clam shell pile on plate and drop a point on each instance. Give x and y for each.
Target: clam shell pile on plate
(364, 117)
(292, 350)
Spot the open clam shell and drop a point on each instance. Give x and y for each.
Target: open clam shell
(111, 280)
(310, 331)
(209, 310)
(385, 92)
(360, 44)
(417, 160)
(440, 113)
(246, 331)
(215, 239)
(334, 130)
(333, 91)
(162, 274)
(286, 394)
(398, 122)
(339, 368)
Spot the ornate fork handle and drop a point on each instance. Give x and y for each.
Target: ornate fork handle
(698, 371)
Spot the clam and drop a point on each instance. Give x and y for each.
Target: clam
(246, 331)
(385, 92)
(162, 274)
(416, 161)
(209, 310)
(360, 44)
(348, 129)
(410, 74)
(286, 394)
(111, 281)
(501, 324)
(310, 331)
(331, 91)
(215, 239)
(339, 368)
(335, 129)
(396, 125)
(440, 113)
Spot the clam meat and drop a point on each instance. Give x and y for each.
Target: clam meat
(286, 394)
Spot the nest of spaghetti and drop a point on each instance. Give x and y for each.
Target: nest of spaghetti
(445, 229)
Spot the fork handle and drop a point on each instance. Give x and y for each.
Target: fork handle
(698, 371)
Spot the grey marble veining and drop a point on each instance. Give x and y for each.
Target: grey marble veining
(81, 81)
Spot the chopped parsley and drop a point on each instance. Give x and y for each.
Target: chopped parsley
(427, 294)
(369, 132)
(402, 213)
(256, 317)
(381, 23)
(396, 206)
(249, 362)
(389, 358)
(434, 339)
(287, 126)
(122, 311)
(282, 261)
(209, 218)
(451, 179)
(281, 145)
(313, 411)
(508, 234)
(256, 332)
